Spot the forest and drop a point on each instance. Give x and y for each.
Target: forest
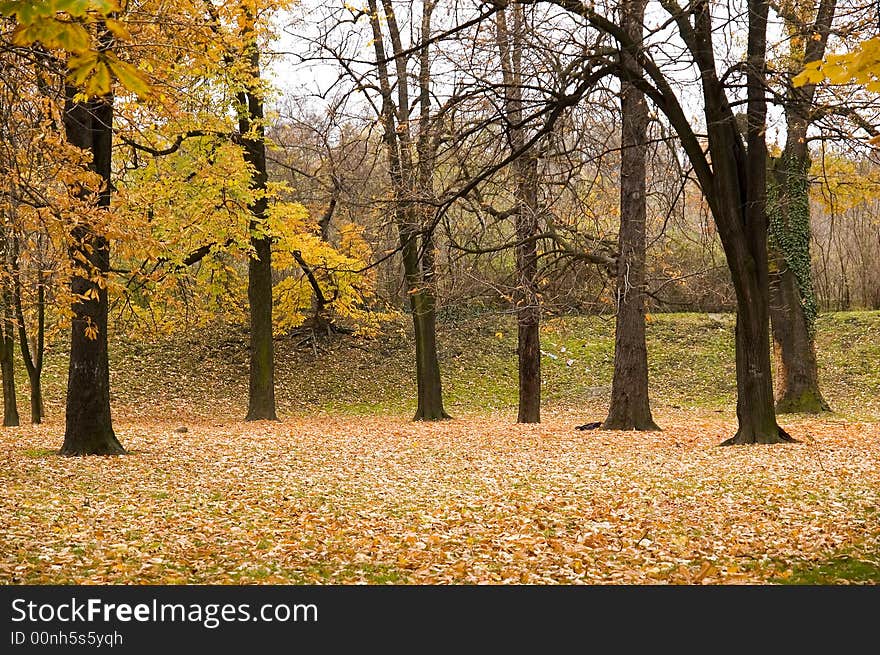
(440, 291)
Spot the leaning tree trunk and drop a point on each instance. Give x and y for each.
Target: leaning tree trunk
(630, 408)
(89, 428)
(261, 389)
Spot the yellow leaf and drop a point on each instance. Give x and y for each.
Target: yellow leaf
(118, 29)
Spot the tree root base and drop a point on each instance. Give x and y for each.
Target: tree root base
(442, 416)
(635, 426)
(742, 439)
(107, 447)
(261, 416)
(807, 402)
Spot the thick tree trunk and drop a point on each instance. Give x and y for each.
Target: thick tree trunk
(792, 300)
(747, 254)
(797, 374)
(630, 407)
(428, 383)
(261, 394)
(7, 363)
(261, 388)
(754, 403)
(89, 428)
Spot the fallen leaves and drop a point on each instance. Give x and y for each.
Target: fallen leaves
(475, 500)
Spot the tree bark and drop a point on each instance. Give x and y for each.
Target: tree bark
(797, 371)
(630, 407)
(89, 428)
(33, 361)
(429, 387)
(528, 303)
(261, 388)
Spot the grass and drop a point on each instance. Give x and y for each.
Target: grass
(840, 569)
(691, 360)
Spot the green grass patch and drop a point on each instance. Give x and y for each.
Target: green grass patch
(842, 569)
(690, 358)
(40, 453)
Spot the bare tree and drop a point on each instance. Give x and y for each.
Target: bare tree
(630, 408)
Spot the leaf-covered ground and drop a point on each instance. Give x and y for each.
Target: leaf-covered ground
(345, 489)
(357, 499)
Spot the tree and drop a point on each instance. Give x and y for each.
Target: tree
(793, 306)
(7, 334)
(261, 394)
(630, 408)
(410, 168)
(732, 176)
(527, 300)
(84, 32)
(88, 125)
(31, 350)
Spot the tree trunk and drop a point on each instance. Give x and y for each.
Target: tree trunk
(528, 306)
(420, 285)
(89, 428)
(261, 389)
(428, 383)
(37, 409)
(747, 255)
(754, 402)
(261, 395)
(630, 408)
(525, 169)
(792, 299)
(793, 307)
(411, 184)
(7, 363)
(33, 361)
(797, 374)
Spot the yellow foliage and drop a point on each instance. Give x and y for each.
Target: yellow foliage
(861, 66)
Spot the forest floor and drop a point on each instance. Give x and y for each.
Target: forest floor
(346, 489)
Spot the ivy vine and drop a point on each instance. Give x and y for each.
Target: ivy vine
(788, 211)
